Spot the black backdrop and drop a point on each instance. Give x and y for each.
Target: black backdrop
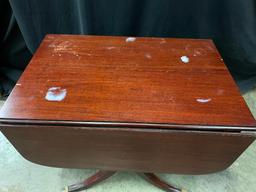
(230, 23)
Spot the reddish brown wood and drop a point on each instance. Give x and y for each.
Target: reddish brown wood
(135, 149)
(103, 175)
(108, 79)
(128, 105)
(91, 181)
(154, 180)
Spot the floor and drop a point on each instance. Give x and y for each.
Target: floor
(20, 175)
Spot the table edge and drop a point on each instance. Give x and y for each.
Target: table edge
(166, 126)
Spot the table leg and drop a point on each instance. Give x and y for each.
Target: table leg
(102, 175)
(89, 182)
(156, 181)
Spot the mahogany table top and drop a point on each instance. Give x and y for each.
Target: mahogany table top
(129, 81)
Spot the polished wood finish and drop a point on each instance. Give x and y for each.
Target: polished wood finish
(136, 149)
(115, 79)
(102, 175)
(119, 103)
(91, 181)
(154, 180)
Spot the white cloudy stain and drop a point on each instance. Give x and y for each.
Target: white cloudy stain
(184, 59)
(203, 100)
(130, 39)
(55, 94)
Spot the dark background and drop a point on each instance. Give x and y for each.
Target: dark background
(230, 23)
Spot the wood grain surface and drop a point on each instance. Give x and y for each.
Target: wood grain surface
(143, 150)
(120, 79)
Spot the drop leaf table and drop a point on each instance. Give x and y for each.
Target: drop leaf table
(149, 105)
